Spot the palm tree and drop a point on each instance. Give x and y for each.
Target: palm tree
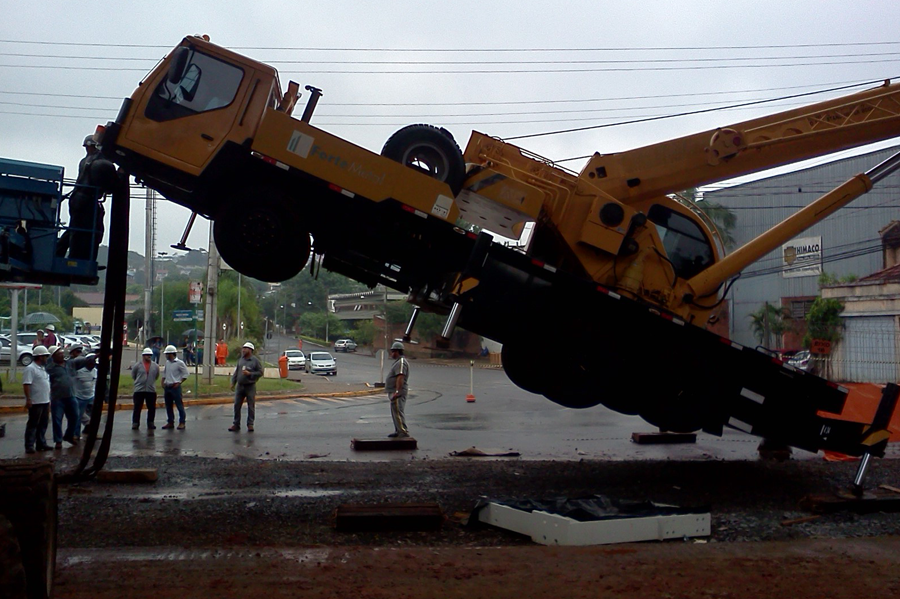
(769, 321)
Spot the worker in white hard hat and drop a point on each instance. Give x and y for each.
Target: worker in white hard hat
(49, 335)
(144, 374)
(36, 385)
(397, 386)
(176, 373)
(243, 383)
(85, 377)
(62, 396)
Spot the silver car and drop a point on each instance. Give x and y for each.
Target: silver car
(321, 362)
(295, 359)
(23, 355)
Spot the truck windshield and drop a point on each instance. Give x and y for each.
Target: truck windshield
(205, 83)
(686, 246)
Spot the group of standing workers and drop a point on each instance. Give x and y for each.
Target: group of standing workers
(57, 387)
(64, 387)
(146, 372)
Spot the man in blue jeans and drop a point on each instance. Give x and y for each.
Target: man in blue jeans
(85, 379)
(176, 374)
(62, 393)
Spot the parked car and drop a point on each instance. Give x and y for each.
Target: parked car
(26, 338)
(801, 360)
(23, 355)
(345, 345)
(321, 362)
(295, 359)
(90, 344)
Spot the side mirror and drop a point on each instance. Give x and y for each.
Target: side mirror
(179, 62)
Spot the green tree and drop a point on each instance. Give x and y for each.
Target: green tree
(364, 332)
(824, 321)
(768, 322)
(725, 221)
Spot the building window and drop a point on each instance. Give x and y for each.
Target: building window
(800, 308)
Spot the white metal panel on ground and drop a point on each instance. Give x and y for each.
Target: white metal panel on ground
(552, 529)
(870, 349)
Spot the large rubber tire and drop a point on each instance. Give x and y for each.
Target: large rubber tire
(258, 234)
(12, 573)
(28, 499)
(430, 150)
(523, 367)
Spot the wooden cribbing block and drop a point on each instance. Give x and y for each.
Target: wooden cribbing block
(133, 475)
(663, 438)
(384, 444)
(384, 517)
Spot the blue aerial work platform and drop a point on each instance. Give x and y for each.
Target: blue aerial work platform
(31, 195)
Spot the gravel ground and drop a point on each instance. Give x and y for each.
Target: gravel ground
(207, 502)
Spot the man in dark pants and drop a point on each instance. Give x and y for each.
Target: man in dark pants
(176, 374)
(248, 371)
(62, 395)
(144, 374)
(95, 176)
(36, 385)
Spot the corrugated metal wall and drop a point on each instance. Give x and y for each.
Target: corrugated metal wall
(850, 240)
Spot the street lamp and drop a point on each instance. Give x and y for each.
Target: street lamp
(162, 302)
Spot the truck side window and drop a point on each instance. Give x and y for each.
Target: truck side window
(685, 243)
(205, 84)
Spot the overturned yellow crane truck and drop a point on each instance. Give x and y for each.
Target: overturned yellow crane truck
(617, 266)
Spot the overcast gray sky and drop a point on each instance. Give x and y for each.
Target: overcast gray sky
(504, 68)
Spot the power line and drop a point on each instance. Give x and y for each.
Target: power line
(523, 50)
(628, 69)
(489, 62)
(515, 102)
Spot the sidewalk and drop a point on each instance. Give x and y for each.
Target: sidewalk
(313, 386)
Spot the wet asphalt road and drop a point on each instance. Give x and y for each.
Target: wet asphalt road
(503, 418)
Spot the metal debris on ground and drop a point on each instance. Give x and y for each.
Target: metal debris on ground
(474, 452)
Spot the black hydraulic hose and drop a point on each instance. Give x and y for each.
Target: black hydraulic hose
(110, 359)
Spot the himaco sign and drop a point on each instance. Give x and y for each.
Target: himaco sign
(802, 257)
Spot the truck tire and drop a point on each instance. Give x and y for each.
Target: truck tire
(523, 367)
(258, 235)
(12, 573)
(28, 500)
(430, 150)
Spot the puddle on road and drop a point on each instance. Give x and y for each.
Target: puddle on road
(308, 493)
(75, 557)
(455, 422)
(194, 494)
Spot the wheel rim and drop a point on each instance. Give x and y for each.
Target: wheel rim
(429, 159)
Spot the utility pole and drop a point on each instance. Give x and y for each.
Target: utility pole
(148, 262)
(240, 323)
(212, 292)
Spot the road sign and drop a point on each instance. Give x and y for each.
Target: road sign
(820, 346)
(182, 315)
(195, 292)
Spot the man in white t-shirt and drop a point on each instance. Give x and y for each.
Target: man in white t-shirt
(36, 385)
(85, 381)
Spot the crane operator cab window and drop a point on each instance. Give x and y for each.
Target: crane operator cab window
(195, 83)
(687, 247)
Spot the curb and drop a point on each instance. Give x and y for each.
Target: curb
(214, 400)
